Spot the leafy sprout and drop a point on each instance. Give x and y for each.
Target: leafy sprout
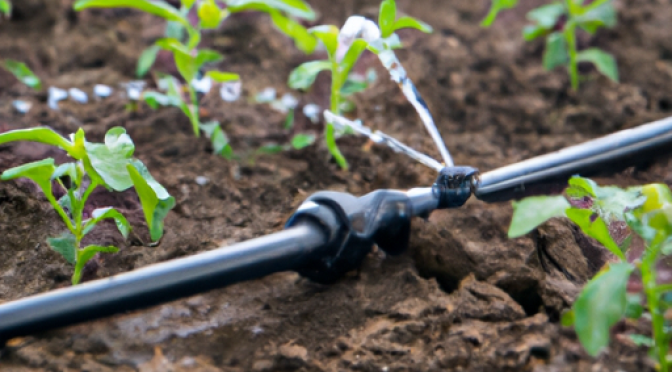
(344, 47)
(23, 73)
(5, 7)
(558, 23)
(110, 165)
(182, 40)
(647, 212)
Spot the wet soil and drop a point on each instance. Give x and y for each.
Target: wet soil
(463, 298)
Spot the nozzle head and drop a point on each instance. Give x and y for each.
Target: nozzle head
(454, 186)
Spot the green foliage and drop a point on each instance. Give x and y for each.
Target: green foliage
(182, 40)
(109, 164)
(5, 7)
(557, 22)
(341, 63)
(23, 73)
(647, 210)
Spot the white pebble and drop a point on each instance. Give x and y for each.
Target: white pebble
(289, 101)
(312, 112)
(134, 89)
(102, 91)
(202, 181)
(56, 95)
(203, 85)
(230, 92)
(22, 106)
(78, 95)
(266, 95)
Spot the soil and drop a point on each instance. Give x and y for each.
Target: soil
(463, 298)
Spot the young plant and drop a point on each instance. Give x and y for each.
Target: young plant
(558, 22)
(183, 39)
(110, 165)
(344, 48)
(5, 7)
(647, 211)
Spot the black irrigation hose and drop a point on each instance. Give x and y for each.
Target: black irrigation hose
(163, 282)
(328, 235)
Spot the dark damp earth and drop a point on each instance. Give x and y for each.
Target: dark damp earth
(463, 298)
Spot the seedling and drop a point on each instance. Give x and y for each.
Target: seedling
(109, 164)
(344, 48)
(558, 23)
(647, 210)
(22, 72)
(5, 7)
(190, 60)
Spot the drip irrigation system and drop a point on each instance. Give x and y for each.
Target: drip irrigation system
(330, 233)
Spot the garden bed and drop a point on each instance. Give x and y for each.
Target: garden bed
(464, 298)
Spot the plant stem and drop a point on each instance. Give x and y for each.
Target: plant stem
(652, 291)
(195, 120)
(335, 100)
(570, 38)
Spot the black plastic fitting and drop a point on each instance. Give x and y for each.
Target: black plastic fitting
(454, 186)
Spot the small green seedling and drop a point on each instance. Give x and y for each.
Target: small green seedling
(189, 59)
(647, 211)
(344, 48)
(5, 7)
(109, 164)
(23, 73)
(558, 23)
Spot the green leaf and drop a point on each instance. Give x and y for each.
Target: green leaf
(146, 60)
(568, 318)
(596, 228)
(546, 16)
(155, 200)
(65, 244)
(42, 135)
(641, 340)
(603, 61)
(222, 77)
(66, 169)
(289, 120)
(302, 38)
(209, 14)
(410, 22)
(104, 213)
(156, 99)
(23, 73)
(188, 3)
(39, 172)
(271, 149)
(633, 308)
(386, 17)
(352, 86)
(304, 76)
(157, 8)
(534, 211)
(205, 56)
(531, 32)
(328, 35)
(495, 8)
(600, 305)
(109, 160)
(295, 8)
(350, 59)
(301, 141)
(555, 53)
(5, 7)
(602, 16)
(580, 187)
(86, 254)
(186, 64)
(174, 30)
(219, 140)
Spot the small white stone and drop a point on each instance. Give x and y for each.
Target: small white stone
(266, 95)
(134, 89)
(56, 95)
(202, 181)
(22, 106)
(102, 91)
(202, 85)
(312, 112)
(230, 91)
(289, 101)
(78, 95)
